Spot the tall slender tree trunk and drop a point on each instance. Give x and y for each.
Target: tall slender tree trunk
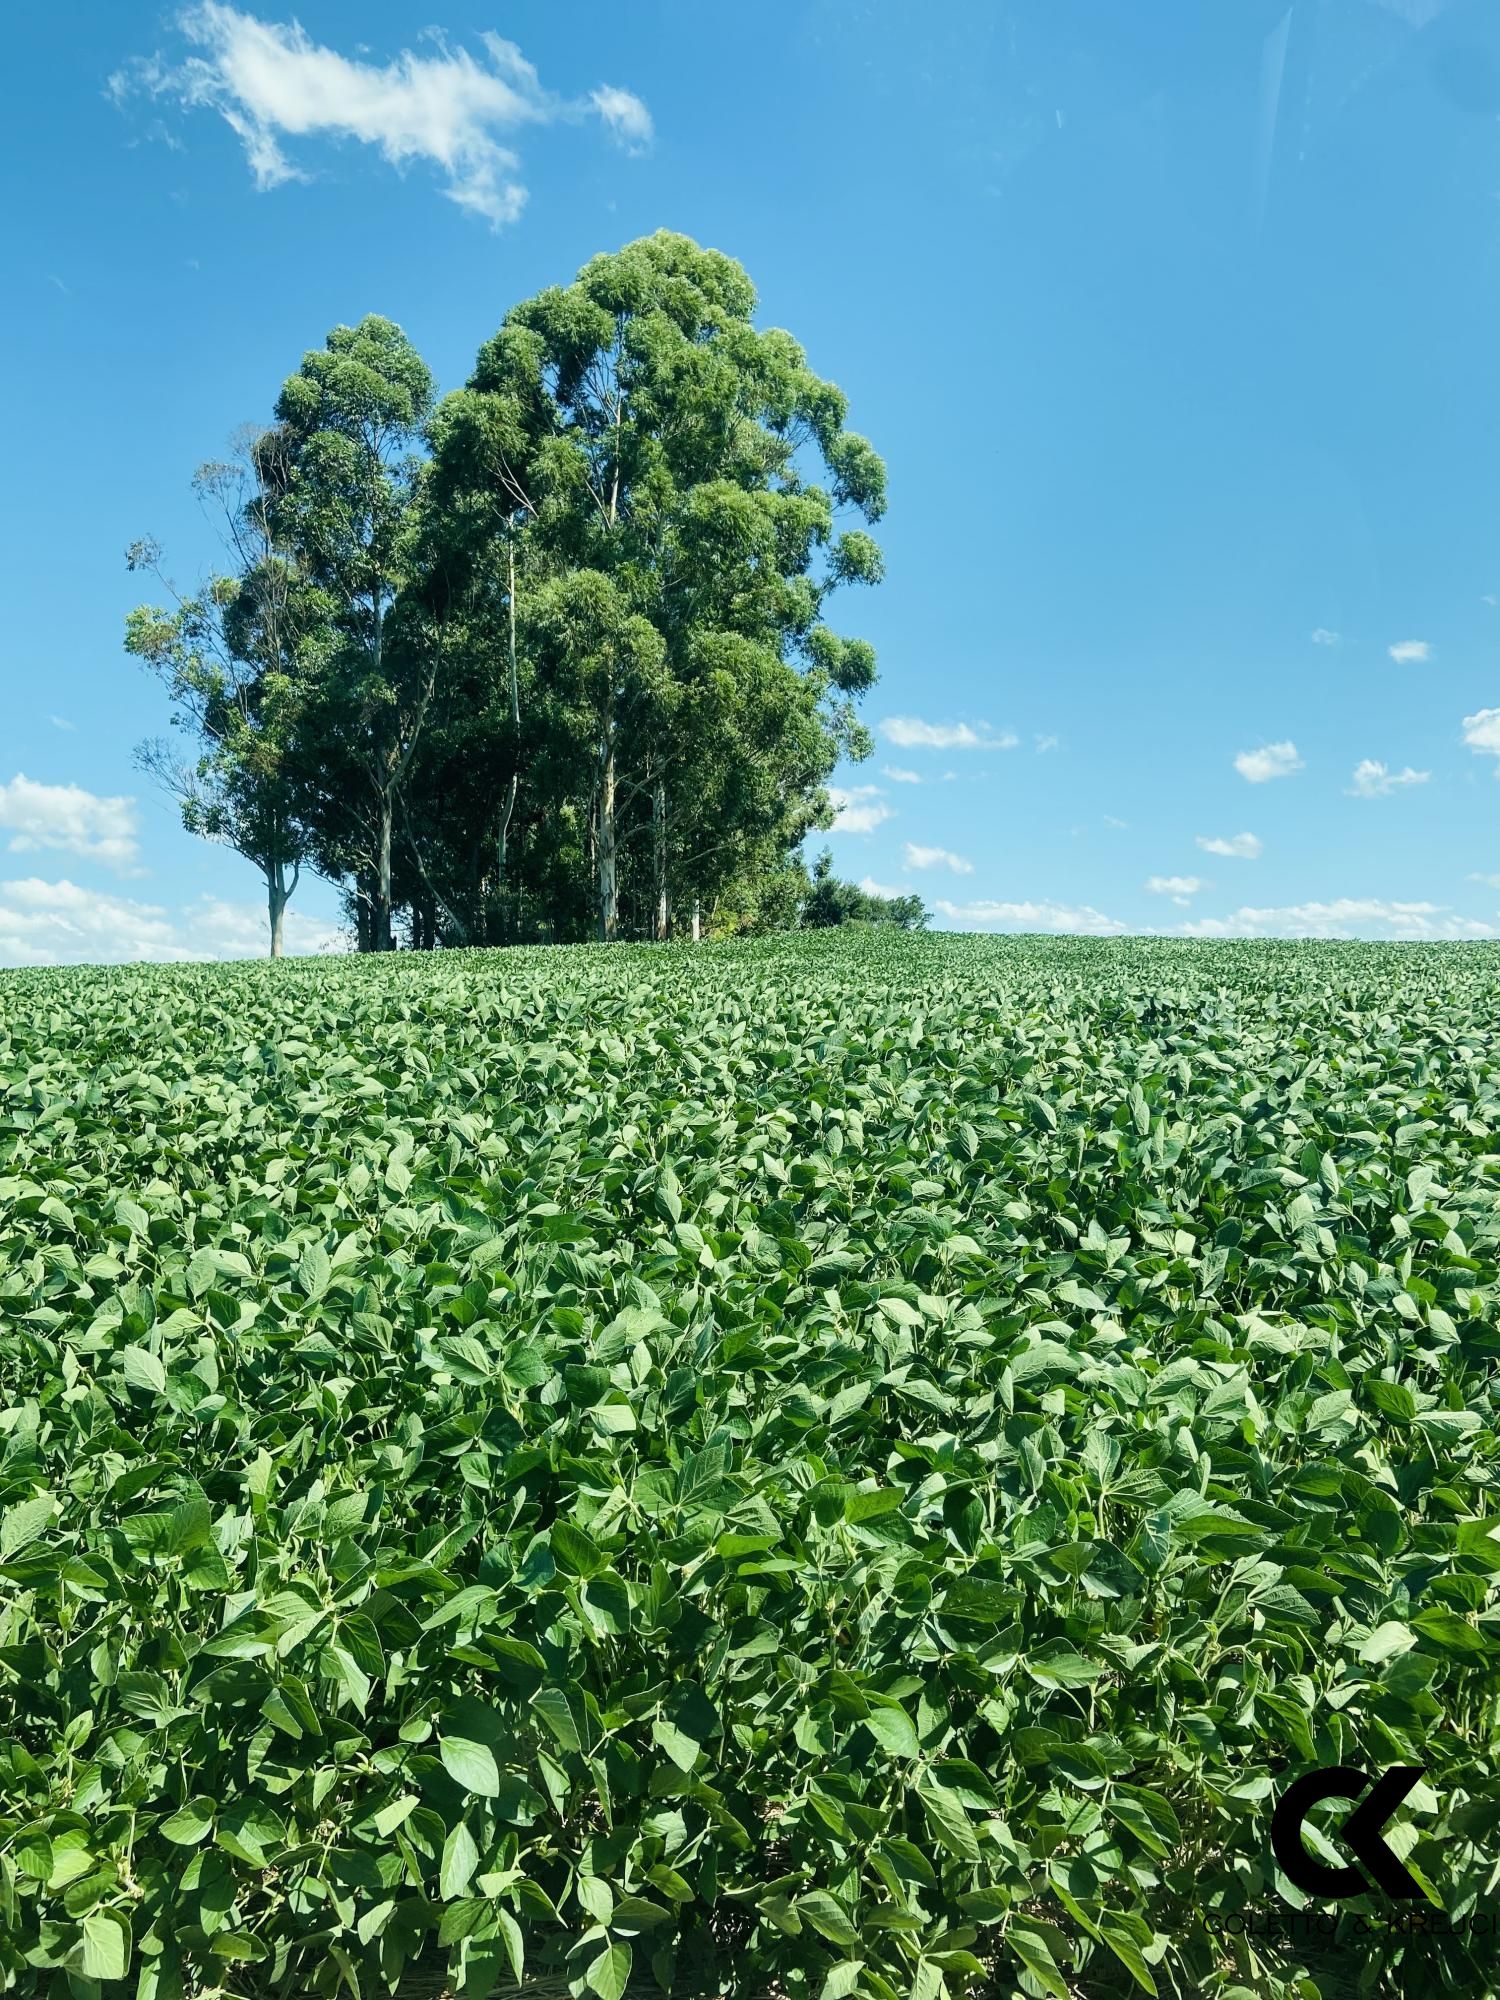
(659, 855)
(381, 939)
(515, 714)
(697, 920)
(609, 898)
(277, 897)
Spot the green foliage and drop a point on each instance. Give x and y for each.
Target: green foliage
(563, 663)
(875, 1455)
(830, 901)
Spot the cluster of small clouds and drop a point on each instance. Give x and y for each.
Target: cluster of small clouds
(1482, 733)
(1234, 846)
(1405, 652)
(936, 857)
(1374, 780)
(1271, 760)
(64, 923)
(1347, 917)
(66, 819)
(271, 83)
(910, 732)
(1080, 919)
(859, 808)
(1181, 888)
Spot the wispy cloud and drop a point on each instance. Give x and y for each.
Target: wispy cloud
(890, 890)
(1482, 733)
(272, 84)
(1120, 824)
(936, 857)
(898, 776)
(1272, 760)
(1322, 636)
(1237, 846)
(1029, 916)
(625, 115)
(1372, 779)
(69, 820)
(910, 732)
(61, 722)
(1046, 743)
(1409, 652)
(1181, 888)
(1347, 917)
(1489, 881)
(860, 809)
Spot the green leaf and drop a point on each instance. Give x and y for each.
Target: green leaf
(142, 1370)
(460, 1860)
(893, 1730)
(609, 1973)
(1031, 1947)
(472, 1765)
(948, 1821)
(190, 1823)
(21, 1524)
(106, 1945)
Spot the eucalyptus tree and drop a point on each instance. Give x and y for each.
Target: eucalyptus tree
(235, 658)
(345, 468)
(659, 462)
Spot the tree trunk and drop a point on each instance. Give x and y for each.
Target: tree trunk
(515, 707)
(609, 900)
(697, 920)
(659, 846)
(277, 896)
(380, 926)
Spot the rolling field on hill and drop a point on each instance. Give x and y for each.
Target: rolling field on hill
(867, 1459)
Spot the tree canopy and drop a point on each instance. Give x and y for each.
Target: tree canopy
(551, 656)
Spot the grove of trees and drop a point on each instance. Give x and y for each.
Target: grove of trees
(548, 658)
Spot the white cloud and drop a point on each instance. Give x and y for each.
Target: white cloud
(1323, 637)
(1372, 780)
(900, 777)
(1181, 888)
(1489, 881)
(1346, 917)
(1045, 743)
(1237, 846)
(213, 927)
(909, 732)
(1272, 760)
(936, 857)
(1040, 916)
(61, 722)
(271, 83)
(625, 115)
(59, 923)
(887, 889)
(859, 810)
(1482, 733)
(1121, 824)
(67, 819)
(1406, 652)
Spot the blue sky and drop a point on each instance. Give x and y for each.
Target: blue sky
(1176, 326)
